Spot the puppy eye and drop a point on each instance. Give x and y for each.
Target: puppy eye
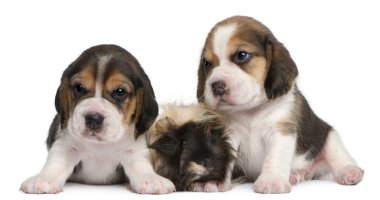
(79, 90)
(119, 94)
(242, 57)
(206, 63)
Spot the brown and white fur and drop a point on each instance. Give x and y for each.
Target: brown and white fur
(104, 105)
(247, 75)
(190, 146)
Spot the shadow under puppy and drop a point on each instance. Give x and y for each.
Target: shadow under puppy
(190, 146)
(105, 103)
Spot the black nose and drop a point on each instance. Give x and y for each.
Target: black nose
(94, 121)
(218, 88)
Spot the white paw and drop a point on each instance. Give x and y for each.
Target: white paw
(41, 184)
(350, 175)
(151, 184)
(211, 186)
(271, 184)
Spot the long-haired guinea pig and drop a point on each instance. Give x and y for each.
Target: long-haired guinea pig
(190, 146)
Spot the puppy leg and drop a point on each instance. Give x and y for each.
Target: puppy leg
(58, 167)
(343, 166)
(143, 179)
(274, 177)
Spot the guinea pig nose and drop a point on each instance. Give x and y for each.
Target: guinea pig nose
(218, 88)
(94, 121)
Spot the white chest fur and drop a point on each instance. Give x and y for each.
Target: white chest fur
(101, 163)
(252, 130)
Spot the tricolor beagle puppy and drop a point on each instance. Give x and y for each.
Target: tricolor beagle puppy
(249, 76)
(104, 105)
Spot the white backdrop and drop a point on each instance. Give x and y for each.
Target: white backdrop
(334, 43)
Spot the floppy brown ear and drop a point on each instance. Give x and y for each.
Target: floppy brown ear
(282, 69)
(201, 81)
(63, 103)
(57, 102)
(58, 121)
(147, 108)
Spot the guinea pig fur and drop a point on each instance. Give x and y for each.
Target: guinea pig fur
(190, 146)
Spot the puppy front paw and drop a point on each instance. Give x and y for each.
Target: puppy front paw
(41, 184)
(151, 184)
(350, 175)
(271, 184)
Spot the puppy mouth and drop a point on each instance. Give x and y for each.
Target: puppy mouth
(94, 135)
(225, 100)
(224, 103)
(221, 101)
(92, 132)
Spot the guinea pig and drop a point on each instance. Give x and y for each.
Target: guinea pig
(190, 146)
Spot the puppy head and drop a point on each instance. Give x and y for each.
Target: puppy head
(243, 65)
(103, 93)
(200, 149)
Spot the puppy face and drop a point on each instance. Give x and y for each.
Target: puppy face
(243, 66)
(103, 93)
(196, 151)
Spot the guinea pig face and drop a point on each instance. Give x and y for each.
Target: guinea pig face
(200, 150)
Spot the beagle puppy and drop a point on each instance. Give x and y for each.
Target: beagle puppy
(249, 76)
(104, 104)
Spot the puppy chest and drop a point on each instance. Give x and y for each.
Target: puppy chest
(251, 155)
(252, 134)
(99, 169)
